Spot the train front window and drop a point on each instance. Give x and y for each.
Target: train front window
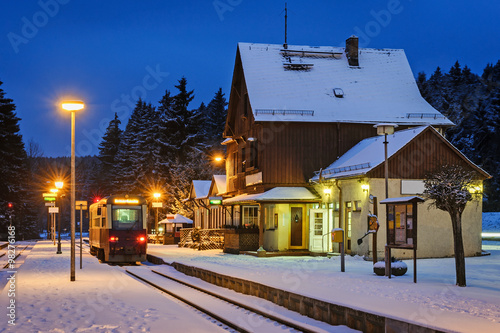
(127, 218)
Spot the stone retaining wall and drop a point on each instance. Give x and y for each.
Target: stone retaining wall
(330, 313)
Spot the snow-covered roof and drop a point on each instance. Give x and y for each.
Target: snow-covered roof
(368, 154)
(200, 189)
(276, 194)
(401, 199)
(177, 218)
(381, 89)
(220, 184)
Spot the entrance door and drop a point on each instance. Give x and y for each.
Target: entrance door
(317, 228)
(348, 226)
(296, 227)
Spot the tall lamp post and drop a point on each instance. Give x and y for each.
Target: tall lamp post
(59, 186)
(385, 129)
(72, 106)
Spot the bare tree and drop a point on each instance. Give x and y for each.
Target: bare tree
(448, 187)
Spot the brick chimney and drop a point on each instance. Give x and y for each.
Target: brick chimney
(351, 50)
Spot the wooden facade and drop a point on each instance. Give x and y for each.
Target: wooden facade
(427, 152)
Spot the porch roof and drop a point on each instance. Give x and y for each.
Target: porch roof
(277, 194)
(176, 218)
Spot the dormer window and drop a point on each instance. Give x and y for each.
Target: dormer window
(338, 92)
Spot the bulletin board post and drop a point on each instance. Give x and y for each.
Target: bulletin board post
(401, 227)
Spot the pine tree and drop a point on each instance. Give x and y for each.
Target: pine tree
(216, 118)
(127, 158)
(108, 148)
(13, 171)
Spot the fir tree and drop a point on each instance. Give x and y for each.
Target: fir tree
(13, 171)
(108, 148)
(216, 118)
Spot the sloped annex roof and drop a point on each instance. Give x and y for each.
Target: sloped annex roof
(199, 189)
(285, 194)
(381, 89)
(370, 153)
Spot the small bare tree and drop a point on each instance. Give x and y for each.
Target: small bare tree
(448, 187)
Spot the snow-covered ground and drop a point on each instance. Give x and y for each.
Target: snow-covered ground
(102, 299)
(491, 222)
(434, 301)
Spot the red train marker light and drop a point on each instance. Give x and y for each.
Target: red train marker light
(10, 205)
(113, 239)
(141, 239)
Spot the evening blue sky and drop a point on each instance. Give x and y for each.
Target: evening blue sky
(108, 53)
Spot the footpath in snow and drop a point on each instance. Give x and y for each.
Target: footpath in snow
(102, 299)
(434, 301)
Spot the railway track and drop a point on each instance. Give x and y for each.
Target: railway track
(227, 312)
(4, 258)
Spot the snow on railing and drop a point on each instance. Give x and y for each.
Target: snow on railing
(284, 112)
(425, 115)
(332, 171)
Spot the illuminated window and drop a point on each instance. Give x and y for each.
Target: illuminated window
(250, 216)
(318, 224)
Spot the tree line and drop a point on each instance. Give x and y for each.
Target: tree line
(162, 149)
(472, 102)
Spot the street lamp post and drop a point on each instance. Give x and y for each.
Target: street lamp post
(73, 106)
(157, 196)
(59, 185)
(385, 129)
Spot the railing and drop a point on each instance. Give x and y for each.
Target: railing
(425, 115)
(284, 112)
(202, 239)
(343, 169)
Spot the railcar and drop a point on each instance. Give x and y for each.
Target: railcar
(117, 229)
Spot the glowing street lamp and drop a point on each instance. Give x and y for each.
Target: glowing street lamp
(385, 129)
(59, 186)
(72, 106)
(157, 196)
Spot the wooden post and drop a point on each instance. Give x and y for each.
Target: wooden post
(261, 252)
(342, 254)
(414, 265)
(81, 229)
(388, 262)
(374, 239)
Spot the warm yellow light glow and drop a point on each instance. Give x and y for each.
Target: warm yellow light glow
(72, 105)
(54, 190)
(475, 189)
(218, 158)
(157, 195)
(126, 201)
(327, 191)
(59, 185)
(365, 187)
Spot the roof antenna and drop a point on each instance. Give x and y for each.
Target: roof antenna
(286, 18)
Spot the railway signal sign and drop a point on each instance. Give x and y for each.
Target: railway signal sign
(54, 210)
(81, 204)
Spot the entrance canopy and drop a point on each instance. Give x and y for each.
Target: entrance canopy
(177, 218)
(277, 194)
